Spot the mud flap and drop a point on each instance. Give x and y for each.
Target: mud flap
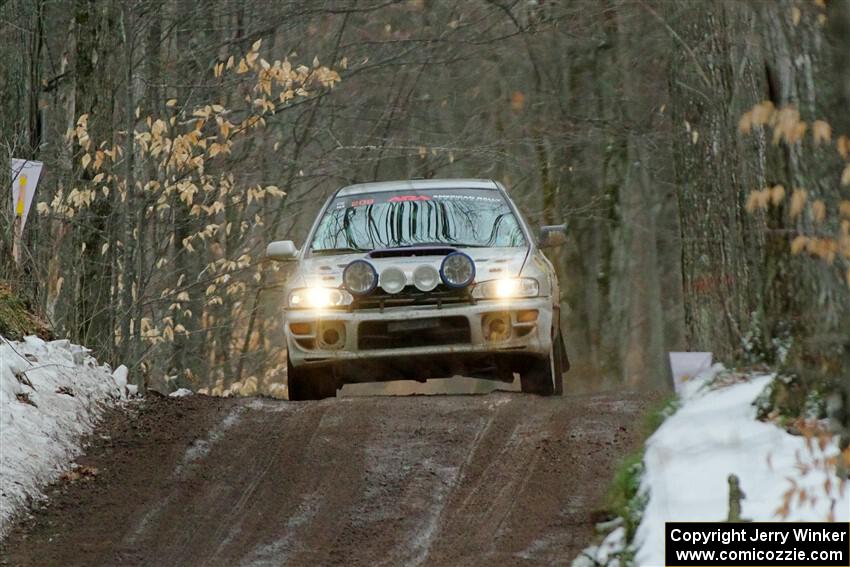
(561, 362)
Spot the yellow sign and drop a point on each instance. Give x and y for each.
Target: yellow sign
(24, 181)
(22, 193)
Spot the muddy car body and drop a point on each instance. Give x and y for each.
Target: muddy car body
(417, 280)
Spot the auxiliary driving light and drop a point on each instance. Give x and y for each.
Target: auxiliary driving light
(331, 335)
(393, 280)
(496, 327)
(360, 277)
(457, 270)
(426, 277)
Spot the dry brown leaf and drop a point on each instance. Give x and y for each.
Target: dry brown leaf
(745, 124)
(844, 208)
(819, 211)
(845, 175)
(517, 101)
(787, 125)
(777, 195)
(823, 248)
(798, 201)
(795, 15)
(763, 113)
(821, 131)
(798, 133)
(758, 199)
(842, 144)
(799, 244)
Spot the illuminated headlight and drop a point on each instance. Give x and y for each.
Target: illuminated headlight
(360, 277)
(506, 287)
(457, 270)
(318, 298)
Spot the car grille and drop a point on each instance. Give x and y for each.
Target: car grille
(410, 296)
(438, 331)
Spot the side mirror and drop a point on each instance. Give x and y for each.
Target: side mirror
(552, 236)
(281, 250)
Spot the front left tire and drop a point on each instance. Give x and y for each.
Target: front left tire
(545, 376)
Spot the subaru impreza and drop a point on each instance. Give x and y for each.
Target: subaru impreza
(421, 279)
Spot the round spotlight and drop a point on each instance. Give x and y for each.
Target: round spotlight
(393, 280)
(426, 277)
(331, 335)
(360, 277)
(457, 270)
(496, 327)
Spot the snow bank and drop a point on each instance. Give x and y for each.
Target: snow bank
(715, 434)
(51, 394)
(181, 393)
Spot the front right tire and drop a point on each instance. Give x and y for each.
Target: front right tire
(310, 383)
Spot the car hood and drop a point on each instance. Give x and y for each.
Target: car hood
(490, 263)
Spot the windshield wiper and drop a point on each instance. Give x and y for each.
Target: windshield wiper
(327, 251)
(443, 244)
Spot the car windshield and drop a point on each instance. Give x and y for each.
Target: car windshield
(394, 219)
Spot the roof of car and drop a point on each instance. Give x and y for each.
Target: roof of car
(417, 184)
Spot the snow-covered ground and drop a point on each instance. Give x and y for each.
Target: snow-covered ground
(714, 434)
(51, 395)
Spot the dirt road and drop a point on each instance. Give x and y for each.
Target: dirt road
(498, 479)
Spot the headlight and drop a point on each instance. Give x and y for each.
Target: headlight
(457, 270)
(393, 280)
(506, 287)
(318, 298)
(426, 277)
(360, 277)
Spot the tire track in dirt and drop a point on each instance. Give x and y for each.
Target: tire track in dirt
(502, 478)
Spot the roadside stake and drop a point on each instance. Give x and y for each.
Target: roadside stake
(25, 175)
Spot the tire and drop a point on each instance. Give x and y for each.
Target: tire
(310, 383)
(545, 376)
(536, 377)
(562, 363)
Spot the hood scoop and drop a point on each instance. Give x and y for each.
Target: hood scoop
(411, 251)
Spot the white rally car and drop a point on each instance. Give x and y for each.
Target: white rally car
(421, 279)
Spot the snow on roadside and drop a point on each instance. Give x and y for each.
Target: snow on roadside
(181, 393)
(688, 461)
(715, 434)
(51, 395)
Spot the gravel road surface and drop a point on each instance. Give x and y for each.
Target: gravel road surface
(497, 479)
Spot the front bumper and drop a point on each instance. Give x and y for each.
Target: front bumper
(494, 327)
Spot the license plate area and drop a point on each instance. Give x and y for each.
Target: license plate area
(412, 325)
(408, 333)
